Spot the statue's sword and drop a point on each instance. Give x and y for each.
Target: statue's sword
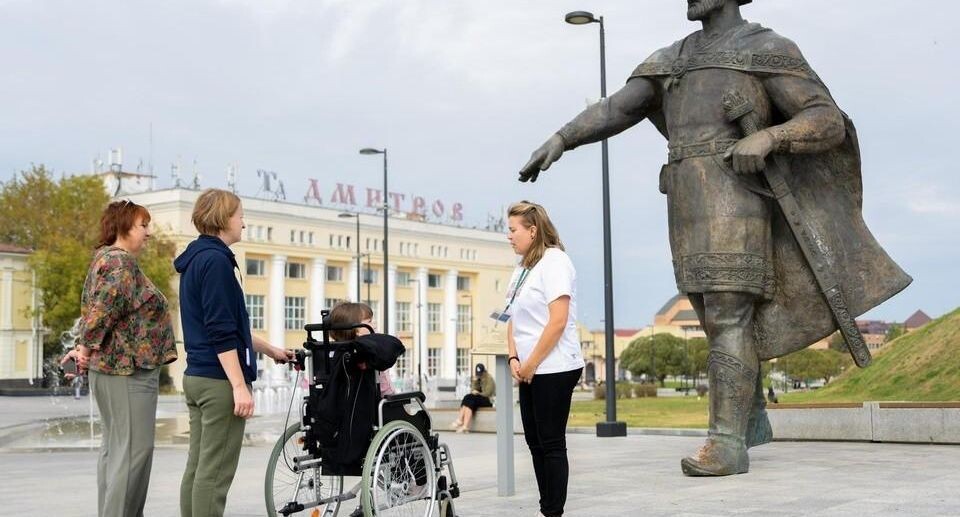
(740, 110)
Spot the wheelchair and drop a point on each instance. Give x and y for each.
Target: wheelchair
(406, 471)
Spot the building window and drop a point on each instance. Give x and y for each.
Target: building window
(463, 283)
(296, 270)
(256, 267)
(433, 361)
(371, 276)
(463, 361)
(403, 317)
(255, 308)
(433, 280)
(375, 307)
(293, 236)
(400, 367)
(403, 279)
(270, 233)
(434, 317)
(329, 303)
(310, 238)
(302, 234)
(334, 274)
(295, 312)
(464, 319)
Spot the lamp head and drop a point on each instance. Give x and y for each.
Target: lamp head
(370, 150)
(579, 18)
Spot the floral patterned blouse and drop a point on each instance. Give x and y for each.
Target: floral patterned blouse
(123, 317)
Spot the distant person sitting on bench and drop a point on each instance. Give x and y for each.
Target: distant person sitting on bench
(482, 390)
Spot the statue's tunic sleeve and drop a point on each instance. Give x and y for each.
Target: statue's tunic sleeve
(812, 122)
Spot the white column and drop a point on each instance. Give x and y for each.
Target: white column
(449, 361)
(6, 295)
(352, 282)
(422, 334)
(318, 280)
(7, 341)
(275, 311)
(392, 294)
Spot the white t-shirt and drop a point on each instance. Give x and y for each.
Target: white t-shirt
(551, 278)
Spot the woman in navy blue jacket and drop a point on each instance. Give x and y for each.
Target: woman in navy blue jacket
(221, 353)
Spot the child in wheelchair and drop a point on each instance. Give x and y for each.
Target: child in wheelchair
(353, 424)
(346, 313)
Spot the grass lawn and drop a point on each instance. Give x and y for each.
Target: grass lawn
(644, 412)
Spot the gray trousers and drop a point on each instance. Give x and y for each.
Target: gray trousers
(128, 413)
(216, 435)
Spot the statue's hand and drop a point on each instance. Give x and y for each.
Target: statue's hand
(749, 155)
(542, 158)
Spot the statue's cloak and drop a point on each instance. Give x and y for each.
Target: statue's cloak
(827, 186)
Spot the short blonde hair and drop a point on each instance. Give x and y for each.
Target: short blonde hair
(532, 214)
(213, 209)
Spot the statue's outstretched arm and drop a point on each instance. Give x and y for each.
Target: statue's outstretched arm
(610, 116)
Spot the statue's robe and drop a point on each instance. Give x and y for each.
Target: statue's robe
(791, 312)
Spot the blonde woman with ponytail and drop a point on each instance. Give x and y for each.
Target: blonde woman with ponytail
(544, 350)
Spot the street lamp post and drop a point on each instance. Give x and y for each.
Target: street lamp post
(611, 427)
(386, 247)
(348, 215)
(368, 278)
(419, 336)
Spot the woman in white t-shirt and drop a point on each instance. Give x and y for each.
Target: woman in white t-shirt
(544, 350)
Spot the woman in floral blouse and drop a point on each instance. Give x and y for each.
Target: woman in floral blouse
(125, 335)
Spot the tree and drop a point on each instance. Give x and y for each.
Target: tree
(59, 220)
(896, 330)
(808, 364)
(659, 356)
(838, 343)
(699, 353)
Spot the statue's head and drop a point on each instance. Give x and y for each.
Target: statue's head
(699, 9)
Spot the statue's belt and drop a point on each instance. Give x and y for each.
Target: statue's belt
(733, 60)
(681, 152)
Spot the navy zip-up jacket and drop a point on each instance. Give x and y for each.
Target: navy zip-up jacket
(213, 313)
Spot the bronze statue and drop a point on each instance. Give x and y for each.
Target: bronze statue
(764, 208)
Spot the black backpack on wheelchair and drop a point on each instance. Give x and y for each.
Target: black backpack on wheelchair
(342, 411)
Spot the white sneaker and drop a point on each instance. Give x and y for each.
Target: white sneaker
(456, 424)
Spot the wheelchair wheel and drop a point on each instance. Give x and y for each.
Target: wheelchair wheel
(446, 508)
(399, 478)
(283, 486)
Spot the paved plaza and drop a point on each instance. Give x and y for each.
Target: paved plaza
(632, 476)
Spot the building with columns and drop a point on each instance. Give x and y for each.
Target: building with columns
(299, 259)
(21, 344)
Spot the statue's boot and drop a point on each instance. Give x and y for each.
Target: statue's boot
(732, 371)
(759, 431)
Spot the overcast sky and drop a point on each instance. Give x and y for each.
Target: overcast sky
(461, 92)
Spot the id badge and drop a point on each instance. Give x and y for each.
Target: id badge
(500, 317)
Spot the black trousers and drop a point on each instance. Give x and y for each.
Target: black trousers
(544, 408)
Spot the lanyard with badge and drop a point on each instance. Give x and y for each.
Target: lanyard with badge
(504, 315)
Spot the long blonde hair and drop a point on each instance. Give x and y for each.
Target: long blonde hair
(532, 214)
